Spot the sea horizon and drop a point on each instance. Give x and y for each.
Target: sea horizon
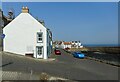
(101, 45)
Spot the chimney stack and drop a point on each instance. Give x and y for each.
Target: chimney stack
(25, 10)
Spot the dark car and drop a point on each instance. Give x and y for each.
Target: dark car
(78, 55)
(57, 51)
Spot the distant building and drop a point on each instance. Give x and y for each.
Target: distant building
(4, 20)
(56, 44)
(72, 44)
(27, 36)
(66, 45)
(76, 44)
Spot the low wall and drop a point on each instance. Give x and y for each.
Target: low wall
(109, 50)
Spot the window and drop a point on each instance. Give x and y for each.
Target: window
(39, 50)
(75, 41)
(39, 37)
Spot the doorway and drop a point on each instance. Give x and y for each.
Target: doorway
(39, 52)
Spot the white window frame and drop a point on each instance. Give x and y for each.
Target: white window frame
(39, 41)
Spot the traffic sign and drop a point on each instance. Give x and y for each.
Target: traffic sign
(2, 36)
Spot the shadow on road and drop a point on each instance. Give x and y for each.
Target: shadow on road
(6, 64)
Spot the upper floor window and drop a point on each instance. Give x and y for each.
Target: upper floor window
(39, 37)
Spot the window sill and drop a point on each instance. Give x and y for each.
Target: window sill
(39, 41)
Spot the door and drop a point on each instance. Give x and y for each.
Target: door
(39, 52)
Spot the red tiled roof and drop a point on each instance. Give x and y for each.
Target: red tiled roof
(67, 43)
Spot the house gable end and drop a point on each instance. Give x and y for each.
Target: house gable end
(24, 19)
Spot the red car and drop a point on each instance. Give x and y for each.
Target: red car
(57, 52)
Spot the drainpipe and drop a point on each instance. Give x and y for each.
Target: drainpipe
(45, 44)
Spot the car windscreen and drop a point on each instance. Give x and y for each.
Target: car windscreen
(78, 53)
(58, 50)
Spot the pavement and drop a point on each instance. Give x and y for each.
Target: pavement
(64, 66)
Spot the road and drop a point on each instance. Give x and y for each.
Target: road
(65, 66)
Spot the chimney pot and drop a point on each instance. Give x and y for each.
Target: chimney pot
(25, 10)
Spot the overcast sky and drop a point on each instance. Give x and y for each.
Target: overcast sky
(89, 22)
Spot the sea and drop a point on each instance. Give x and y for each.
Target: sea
(101, 45)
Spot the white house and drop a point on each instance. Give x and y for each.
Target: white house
(65, 45)
(76, 44)
(25, 35)
(72, 44)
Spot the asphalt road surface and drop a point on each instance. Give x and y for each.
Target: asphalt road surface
(65, 66)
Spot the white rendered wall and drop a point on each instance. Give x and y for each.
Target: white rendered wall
(67, 46)
(62, 45)
(21, 33)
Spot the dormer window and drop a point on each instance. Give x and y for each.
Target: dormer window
(39, 37)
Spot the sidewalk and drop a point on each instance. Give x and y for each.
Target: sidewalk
(26, 57)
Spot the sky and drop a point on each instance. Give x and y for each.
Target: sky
(88, 22)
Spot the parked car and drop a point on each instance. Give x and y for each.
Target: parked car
(67, 48)
(78, 55)
(57, 51)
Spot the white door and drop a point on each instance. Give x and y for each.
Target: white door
(39, 52)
